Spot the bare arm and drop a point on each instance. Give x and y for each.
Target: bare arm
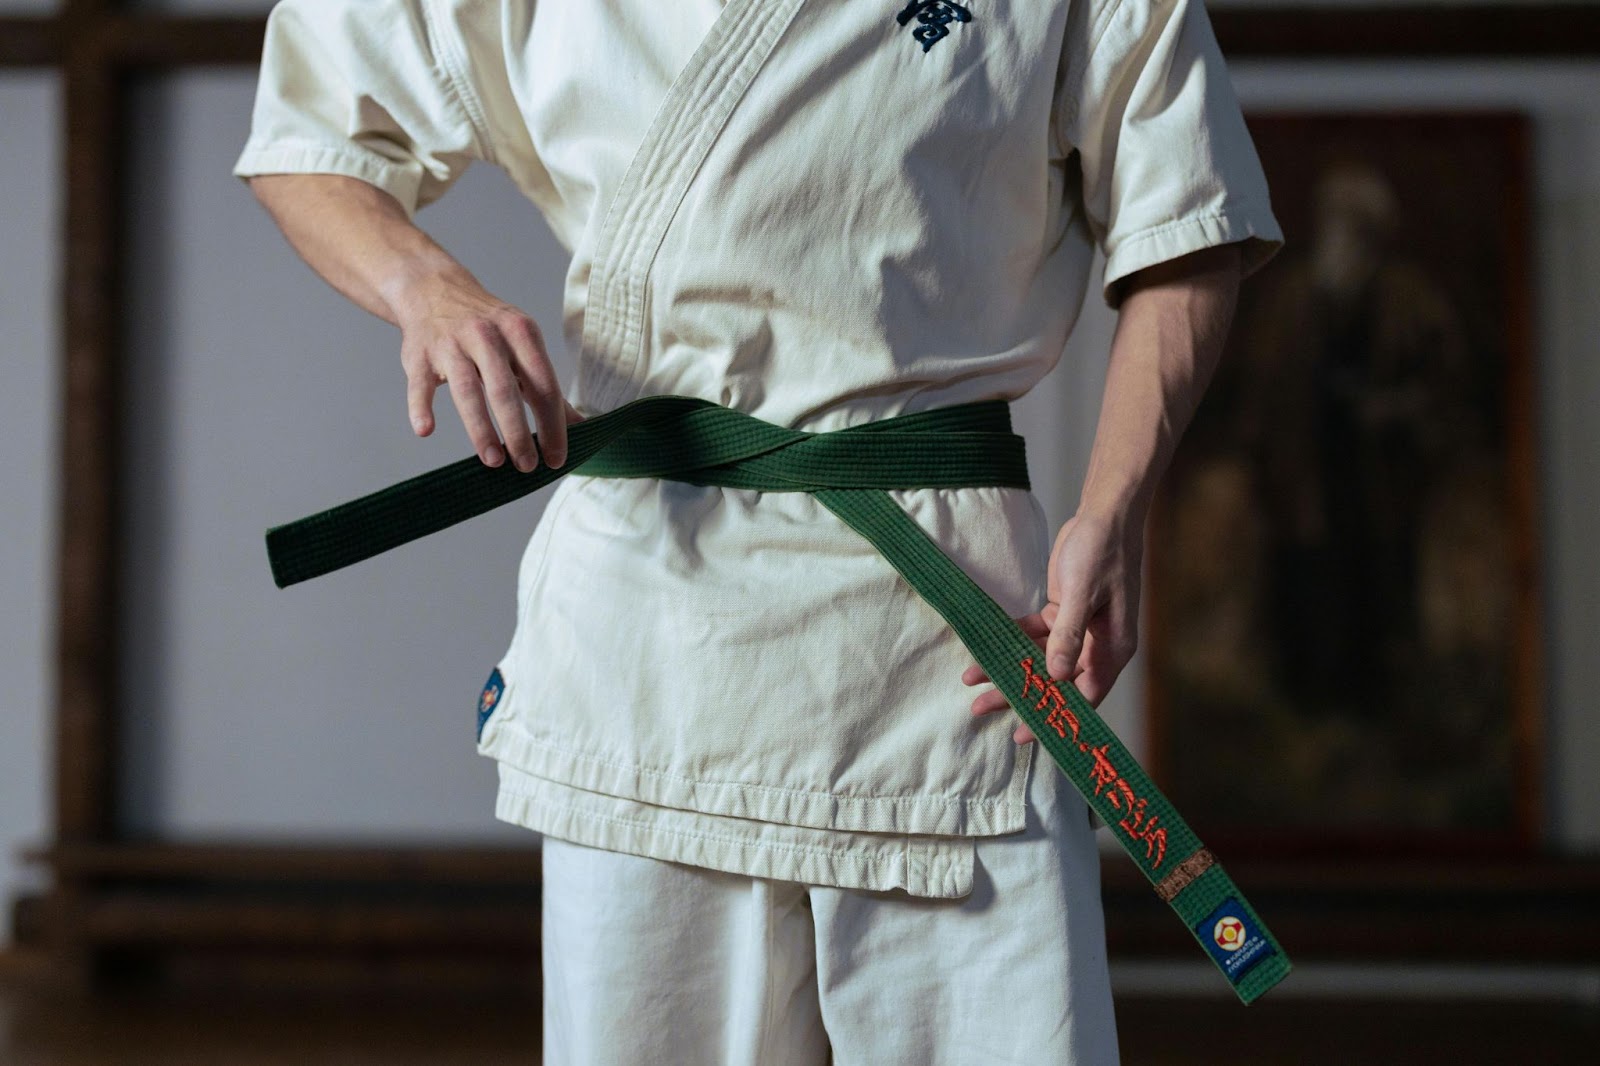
(453, 331)
(1174, 320)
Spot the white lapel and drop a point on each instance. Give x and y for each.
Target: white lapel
(693, 113)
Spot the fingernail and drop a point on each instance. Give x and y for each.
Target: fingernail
(555, 461)
(492, 455)
(1058, 667)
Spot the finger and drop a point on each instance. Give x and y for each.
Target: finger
(1035, 625)
(993, 701)
(491, 351)
(420, 386)
(1107, 650)
(1032, 624)
(1065, 643)
(989, 702)
(572, 412)
(540, 386)
(1098, 672)
(467, 392)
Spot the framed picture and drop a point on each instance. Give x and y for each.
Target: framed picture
(1343, 626)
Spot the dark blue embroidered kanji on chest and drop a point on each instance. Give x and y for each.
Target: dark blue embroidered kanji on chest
(933, 17)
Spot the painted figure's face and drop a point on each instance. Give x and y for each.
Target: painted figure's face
(1356, 211)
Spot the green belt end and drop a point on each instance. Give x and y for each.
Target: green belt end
(1231, 932)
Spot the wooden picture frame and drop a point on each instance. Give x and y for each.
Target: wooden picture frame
(1344, 625)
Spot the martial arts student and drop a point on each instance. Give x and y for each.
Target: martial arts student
(778, 823)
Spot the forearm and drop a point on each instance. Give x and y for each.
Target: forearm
(358, 239)
(1169, 337)
(492, 355)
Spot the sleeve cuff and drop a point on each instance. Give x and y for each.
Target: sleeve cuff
(1254, 224)
(401, 181)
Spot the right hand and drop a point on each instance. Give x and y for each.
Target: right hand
(493, 357)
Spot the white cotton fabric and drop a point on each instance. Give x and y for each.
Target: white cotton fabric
(756, 972)
(791, 208)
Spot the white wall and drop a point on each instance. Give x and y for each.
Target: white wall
(29, 398)
(345, 706)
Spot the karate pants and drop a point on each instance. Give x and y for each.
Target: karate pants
(651, 963)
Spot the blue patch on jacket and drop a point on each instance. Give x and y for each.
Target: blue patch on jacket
(489, 698)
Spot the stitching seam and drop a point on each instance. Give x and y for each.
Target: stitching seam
(459, 89)
(911, 798)
(843, 854)
(1230, 211)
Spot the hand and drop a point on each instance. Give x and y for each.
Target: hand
(493, 358)
(1088, 629)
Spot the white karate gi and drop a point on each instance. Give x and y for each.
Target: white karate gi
(821, 215)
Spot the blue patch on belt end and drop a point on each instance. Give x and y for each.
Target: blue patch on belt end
(489, 698)
(1233, 938)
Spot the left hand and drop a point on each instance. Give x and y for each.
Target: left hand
(1089, 628)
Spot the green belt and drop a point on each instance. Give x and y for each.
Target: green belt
(703, 443)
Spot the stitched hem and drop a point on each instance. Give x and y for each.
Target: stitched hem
(1251, 222)
(286, 156)
(921, 814)
(940, 869)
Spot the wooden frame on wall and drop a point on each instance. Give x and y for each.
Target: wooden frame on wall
(109, 893)
(1365, 630)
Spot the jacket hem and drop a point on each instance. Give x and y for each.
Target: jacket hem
(918, 814)
(935, 869)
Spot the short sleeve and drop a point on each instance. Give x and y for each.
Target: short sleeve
(1167, 164)
(371, 89)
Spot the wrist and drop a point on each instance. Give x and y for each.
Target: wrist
(1118, 528)
(1124, 505)
(414, 285)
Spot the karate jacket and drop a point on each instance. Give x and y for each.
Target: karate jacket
(821, 213)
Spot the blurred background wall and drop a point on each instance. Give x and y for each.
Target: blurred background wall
(28, 317)
(344, 709)
(1563, 101)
